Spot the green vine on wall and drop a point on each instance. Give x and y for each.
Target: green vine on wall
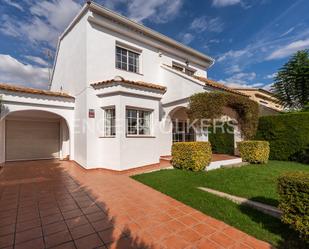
(211, 106)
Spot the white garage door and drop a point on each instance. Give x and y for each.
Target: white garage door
(27, 140)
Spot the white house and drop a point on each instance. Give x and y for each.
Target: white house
(117, 86)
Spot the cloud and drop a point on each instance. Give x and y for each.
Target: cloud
(13, 71)
(288, 32)
(14, 4)
(36, 60)
(233, 54)
(157, 11)
(186, 38)
(233, 69)
(289, 49)
(271, 76)
(203, 23)
(241, 78)
(224, 3)
(48, 20)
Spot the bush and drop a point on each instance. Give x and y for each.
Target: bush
(293, 191)
(288, 136)
(254, 151)
(193, 156)
(221, 141)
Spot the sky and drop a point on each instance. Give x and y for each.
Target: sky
(249, 39)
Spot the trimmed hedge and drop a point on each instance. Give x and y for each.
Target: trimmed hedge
(193, 156)
(288, 135)
(293, 191)
(254, 151)
(221, 142)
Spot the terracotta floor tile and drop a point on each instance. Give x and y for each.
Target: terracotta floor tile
(7, 240)
(222, 239)
(54, 228)
(72, 214)
(188, 220)
(8, 229)
(31, 244)
(30, 234)
(81, 231)
(57, 238)
(189, 235)
(96, 201)
(112, 234)
(68, 245)
(207, 244)
(174, 241)
(88, 242)
(77, 221)
(204, 229)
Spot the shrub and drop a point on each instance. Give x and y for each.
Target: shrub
(211, 106)
(254, 151)
(221, 140)
(193, 156)
(293, 191)
(288, 136)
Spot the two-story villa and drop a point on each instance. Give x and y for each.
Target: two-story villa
(118, 91)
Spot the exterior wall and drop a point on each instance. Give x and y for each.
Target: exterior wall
(86, 55)
(101, 50)
(2, 141)
(268, 102)
(70, 74)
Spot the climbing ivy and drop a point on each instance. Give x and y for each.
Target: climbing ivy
(211, 106)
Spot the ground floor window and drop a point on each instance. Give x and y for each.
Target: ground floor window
(138, 122)
(182, 132)
(109, 122)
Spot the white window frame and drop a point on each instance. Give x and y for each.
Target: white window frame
(139, 110)
(112, 127)
(128, 51)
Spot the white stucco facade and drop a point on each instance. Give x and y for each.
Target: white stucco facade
(85, 55)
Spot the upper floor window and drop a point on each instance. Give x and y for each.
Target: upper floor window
(127, 60)
(138, 122)
(183, 68)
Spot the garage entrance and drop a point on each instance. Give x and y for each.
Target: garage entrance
(33, 135)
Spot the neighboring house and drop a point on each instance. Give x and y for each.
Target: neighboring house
(118, 91)
(269, 104)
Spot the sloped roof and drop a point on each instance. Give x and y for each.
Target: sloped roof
(20, 89)
(218, 85)
(129, 82)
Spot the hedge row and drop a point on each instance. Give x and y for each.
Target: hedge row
(293, 191)
(288, 135)
(193, 156)
(256, 152)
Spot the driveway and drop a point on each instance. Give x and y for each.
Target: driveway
(53, 204)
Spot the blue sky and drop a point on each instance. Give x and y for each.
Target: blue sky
(249, 39)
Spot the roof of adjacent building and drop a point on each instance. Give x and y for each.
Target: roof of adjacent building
(20, 89)
(218, 85)
(129, 82)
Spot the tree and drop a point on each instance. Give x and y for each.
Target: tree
(291, 84)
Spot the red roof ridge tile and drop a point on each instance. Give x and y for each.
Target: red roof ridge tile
(21, 89)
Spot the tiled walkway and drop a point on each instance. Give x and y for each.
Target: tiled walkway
(51, 204)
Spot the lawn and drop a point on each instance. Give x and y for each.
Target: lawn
(255, 182)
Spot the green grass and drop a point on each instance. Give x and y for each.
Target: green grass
(250, 181)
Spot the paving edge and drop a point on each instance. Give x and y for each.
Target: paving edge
(267, 209)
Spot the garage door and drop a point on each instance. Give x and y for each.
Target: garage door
(28, 140)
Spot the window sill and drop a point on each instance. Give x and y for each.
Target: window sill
(129, 71)
(139, 136)
(107, 136)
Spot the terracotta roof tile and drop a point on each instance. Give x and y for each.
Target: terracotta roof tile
(210, 83)
(20, 89)
(218, 85)
(129, 82)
